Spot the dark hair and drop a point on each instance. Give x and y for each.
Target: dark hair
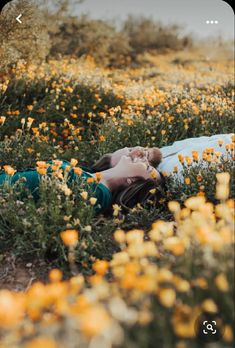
(103, 163)
(137, 192)
(157, 157)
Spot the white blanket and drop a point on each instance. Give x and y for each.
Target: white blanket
(185, 148)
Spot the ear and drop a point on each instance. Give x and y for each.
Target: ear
(131, 180)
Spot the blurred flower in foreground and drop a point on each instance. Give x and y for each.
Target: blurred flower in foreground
(69, 237)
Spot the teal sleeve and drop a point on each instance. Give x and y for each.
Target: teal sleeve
(32, 180)
(101, 192)
(104, 197)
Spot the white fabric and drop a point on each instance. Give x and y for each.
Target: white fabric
(185, 148)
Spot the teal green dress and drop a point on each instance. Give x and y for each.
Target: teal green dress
(101, 192)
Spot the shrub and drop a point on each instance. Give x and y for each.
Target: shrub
(83, 36)
(28, 41)
(146, 35)
(30, 228)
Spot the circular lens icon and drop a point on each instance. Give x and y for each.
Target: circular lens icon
(209, 328)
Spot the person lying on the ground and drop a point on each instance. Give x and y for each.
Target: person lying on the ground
(134, 174)
(133, 177)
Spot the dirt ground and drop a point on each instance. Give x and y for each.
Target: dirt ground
(18, 275)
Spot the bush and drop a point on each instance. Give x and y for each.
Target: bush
(83, 36)
(200, 179)
(45, 101)
(146, 35)
(28, 41)
(30, 228)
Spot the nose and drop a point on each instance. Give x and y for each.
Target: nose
(126, 158)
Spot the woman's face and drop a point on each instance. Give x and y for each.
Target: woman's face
(136, 167)
(133, 152)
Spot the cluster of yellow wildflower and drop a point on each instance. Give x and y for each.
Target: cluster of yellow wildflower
(100, 311)
(132, 98)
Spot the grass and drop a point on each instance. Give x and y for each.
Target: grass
(72, 109)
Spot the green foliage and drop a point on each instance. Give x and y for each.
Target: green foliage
(30, 228)
(202, 176)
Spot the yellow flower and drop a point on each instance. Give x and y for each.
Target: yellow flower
(175, 245)
(119, 258)
(222, 191)
(90, 180)
(175, 169)
(73, 162)
(187, 181)
(2, 119)
(116, 209)
(102, 138)
(221, 282)
(78, 171)
(69, 237)
(29, 150)
(167, 297)
(188, 160)
(94, 321)
(98, 176)
(228, 333)
(154, 174)
(181, 285)
(88, 228)
(55, 275)
(199, 178)
(93, 200)
(209, 306)
(164, 275)
(135, 236)
(174, 206)
(57, 162)
(223, 178)
(41, 170)
(29, 122)
(9, 170)
(194, 203)
(101, 266)
(181, 158)
(84, 195)
(150, 249)
(120, 236)
(11, 308)
(200, 282)
(40, 342)
(42, 164)
(183, 320)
